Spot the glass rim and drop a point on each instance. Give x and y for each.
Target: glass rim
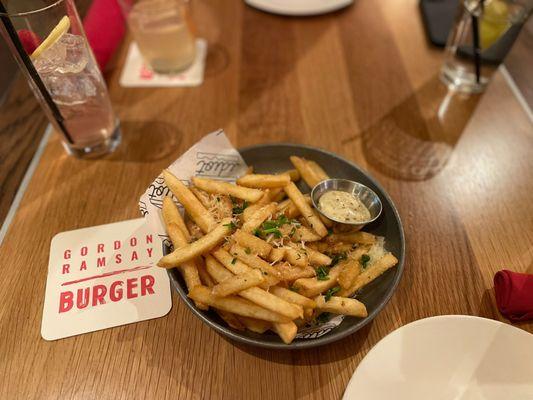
(31, 12)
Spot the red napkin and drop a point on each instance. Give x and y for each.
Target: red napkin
(514, 295)
(105, 27)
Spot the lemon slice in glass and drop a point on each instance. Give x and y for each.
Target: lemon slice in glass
(494, 23)
(59, 30)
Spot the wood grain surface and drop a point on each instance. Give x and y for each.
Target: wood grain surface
(362, 82)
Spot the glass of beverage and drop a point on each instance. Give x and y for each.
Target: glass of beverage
(481, 37)
(163, 31)
(50, 46)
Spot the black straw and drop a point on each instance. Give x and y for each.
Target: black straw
(475, 37)
(33, 72)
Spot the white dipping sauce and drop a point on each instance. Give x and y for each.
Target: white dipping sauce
(343, 206)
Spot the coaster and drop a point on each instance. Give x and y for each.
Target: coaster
(135, 73)
(104, 276)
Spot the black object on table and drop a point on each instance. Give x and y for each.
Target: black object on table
(438, 17)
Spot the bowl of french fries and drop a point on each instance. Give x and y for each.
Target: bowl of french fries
(255, 261)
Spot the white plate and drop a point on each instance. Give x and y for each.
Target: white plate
(298, 7)
(452, 357)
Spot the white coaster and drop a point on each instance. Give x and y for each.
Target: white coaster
(135, 73)
(104, 276)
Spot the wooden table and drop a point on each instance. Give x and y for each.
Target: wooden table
(362, 83)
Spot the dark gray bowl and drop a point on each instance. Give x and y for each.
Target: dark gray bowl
(272, 158)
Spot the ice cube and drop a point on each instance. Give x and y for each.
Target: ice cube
(68, 55)
(70, 89)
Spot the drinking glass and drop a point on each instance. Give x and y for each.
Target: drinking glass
(163, 31)
(483, 34)
(47, 39)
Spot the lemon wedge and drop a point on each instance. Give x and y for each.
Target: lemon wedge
(494, 22)
(59, 30)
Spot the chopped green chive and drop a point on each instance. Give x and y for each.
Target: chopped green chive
(338, 257)
(331, 292)
(231, 225)
(240, 209)
(365, 258)
(322, 273)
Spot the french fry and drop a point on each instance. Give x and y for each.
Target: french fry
(308, 313)
(230, 319)
(207, 280)
(218, 204)
(252, 260)
(290, 210)
(171, 214)
(255, 294)
(297, 197)
(194, 230)
(293, 174)
(316, 258)
(258, 217)
(293, 297)
(235, 305)
(237, 283)
(274, 192)
(195, 249)
(341, 228)
(258, 246)
(286, 331)
(249, 170)
(188, 269)
(299, 233)
(305, 170)
(341, 305)
(271, 302)
(353, 237)
(218, 271)
(192, 205)
(264, 181)
(351, 268)
(326, 221)
(270, 195)
(230, 262)
(291, 273)
(332, 248)
(238, 267)
(204, 197)
(219, 187)
(276, 254)
(255, 325)
(317, 170)
(250, 211)
(372, 272)
(295, 256)
(277, 194)
(310, 287)
(265, 199)
(287, 208)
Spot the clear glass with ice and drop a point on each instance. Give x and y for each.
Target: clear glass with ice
(62, 59)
